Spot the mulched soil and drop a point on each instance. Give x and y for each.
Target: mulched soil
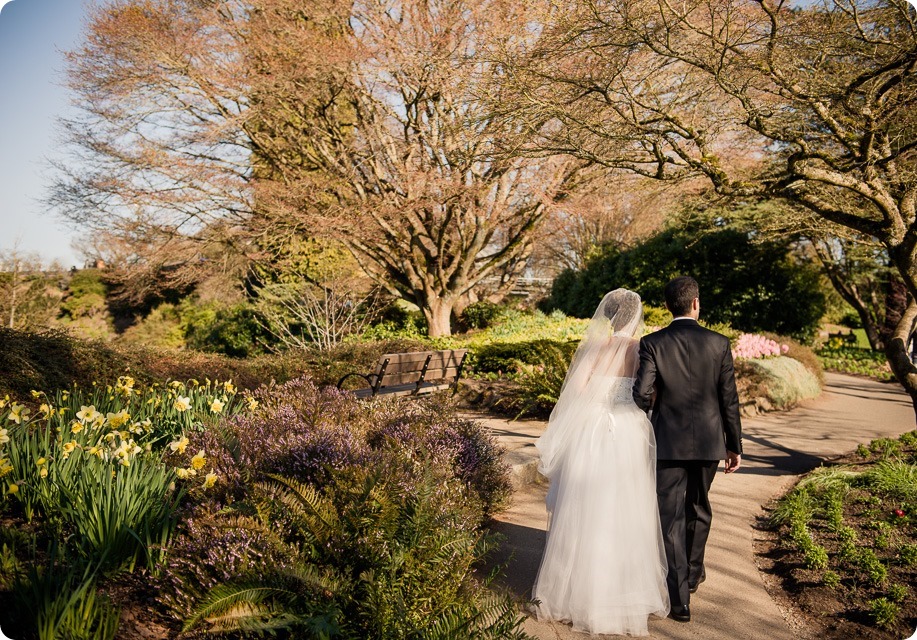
(819, 611)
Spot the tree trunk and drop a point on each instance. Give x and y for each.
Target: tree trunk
(898, 357)
(850, 293)
(438, 312)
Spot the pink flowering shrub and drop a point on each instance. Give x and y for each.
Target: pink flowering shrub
(751, 346)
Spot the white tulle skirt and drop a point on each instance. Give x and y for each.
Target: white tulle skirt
(604, 564)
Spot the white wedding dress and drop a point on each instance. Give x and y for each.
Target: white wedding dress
(604, 566)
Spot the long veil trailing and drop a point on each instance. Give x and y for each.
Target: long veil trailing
(603, 567)
(607, 349)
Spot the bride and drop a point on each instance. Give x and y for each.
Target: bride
(604, 566)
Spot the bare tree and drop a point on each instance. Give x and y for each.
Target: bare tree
(820, 100)
(398, 151)
(309, 315)
(160, 177)
(29, 295)
(214, 127)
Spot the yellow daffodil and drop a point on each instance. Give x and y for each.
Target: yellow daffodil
(43, 473)
(182, 404)
(41, 461)
(180, 445)
(175, 384)
(184, 474)
(252, 403)
(117, 419)
(229, 387)
(4, 436)
(35, 394)
(76, 427)
(65, 395)
(217, 405)
(95, 451)
(44, 408)
(5, 467)
(18, 413)
(4, 401)
(209, 480)
(13, 490)
(88, 414)
(198, 461)
(69, 446)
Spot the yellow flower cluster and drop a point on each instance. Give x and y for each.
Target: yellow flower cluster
(198, 461)
(6, 467)
(125, 387)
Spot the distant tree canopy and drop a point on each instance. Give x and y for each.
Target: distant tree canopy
(751, 286)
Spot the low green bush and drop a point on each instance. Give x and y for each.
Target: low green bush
(507, 357)
(783, 381)
(479, 315)
(884, 612)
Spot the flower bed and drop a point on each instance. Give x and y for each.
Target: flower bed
(189, 506)
(856, 361)
(846, 542)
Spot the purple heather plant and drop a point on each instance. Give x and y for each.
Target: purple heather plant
(208, 552)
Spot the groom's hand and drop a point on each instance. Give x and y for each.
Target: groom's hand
(733, 461)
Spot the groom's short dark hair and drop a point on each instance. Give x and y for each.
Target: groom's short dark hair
(680, 293)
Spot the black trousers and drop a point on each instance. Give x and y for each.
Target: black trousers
(684, 511)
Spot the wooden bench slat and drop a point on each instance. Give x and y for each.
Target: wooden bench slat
(393, 379)
(441, 361)
(405, 358)
(438, 358)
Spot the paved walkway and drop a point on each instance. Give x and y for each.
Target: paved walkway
(733, 602)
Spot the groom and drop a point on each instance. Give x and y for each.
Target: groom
(686, 377)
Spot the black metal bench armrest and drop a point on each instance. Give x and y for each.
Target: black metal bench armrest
(368, 379)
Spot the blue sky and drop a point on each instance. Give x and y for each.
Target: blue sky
(32, 34)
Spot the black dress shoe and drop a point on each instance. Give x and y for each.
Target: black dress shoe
(681, 613)
(693, 587)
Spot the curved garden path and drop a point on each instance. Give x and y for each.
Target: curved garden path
(733, 602)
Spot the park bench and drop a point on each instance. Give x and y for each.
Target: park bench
(416, 373)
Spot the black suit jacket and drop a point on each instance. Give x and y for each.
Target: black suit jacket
(696, 412)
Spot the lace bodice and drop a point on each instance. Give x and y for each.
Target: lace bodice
(620, 390)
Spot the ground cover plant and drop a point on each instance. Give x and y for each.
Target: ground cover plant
(843, 358)
(150, 511)
(846, 542)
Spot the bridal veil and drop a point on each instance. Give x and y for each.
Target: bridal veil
(604, 565)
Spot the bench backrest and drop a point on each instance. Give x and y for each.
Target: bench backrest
(405, 368)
